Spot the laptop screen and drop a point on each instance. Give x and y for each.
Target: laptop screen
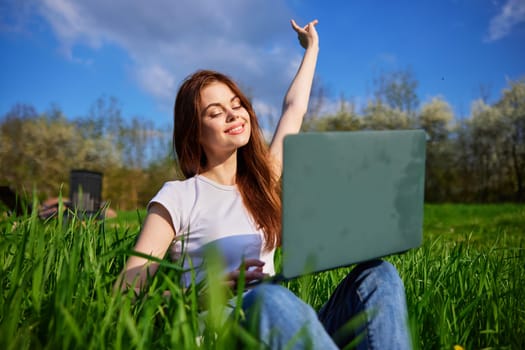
(349, 197)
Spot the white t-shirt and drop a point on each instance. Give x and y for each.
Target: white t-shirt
(204, 214)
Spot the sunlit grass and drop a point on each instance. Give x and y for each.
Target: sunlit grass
(464, 286)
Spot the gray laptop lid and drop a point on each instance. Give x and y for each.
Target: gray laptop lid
(349, 197)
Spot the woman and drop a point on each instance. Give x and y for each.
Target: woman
(231, 200)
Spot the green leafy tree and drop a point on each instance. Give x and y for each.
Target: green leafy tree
(435, 118)
(38, 151)
(486, 158)
(511, 108)
(398, 90)
(345, 119)
(378, 116)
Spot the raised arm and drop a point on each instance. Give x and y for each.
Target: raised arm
(295, 102)
(155, 237)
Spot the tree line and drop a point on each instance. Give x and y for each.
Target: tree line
(38, 151)
(478, 158)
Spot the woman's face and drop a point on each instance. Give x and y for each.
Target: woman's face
(225, 122)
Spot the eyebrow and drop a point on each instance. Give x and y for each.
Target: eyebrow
(217, 104)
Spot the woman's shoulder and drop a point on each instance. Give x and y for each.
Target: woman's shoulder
(177, 197)
(178, 185)
(175, 192)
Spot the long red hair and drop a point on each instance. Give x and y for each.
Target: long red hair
(255, 178)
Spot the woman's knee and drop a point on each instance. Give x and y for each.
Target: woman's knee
(281, 318)
(277, 300)
(271, 295)
(379, 274)
(388, 273)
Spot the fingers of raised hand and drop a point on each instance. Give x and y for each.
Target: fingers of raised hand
(304, 29)
(310, 25)
(307, 35)
(295, 26)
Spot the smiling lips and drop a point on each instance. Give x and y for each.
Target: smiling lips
(235, 130)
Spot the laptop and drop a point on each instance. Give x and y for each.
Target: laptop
(349, 197)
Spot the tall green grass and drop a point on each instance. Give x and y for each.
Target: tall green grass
(464, 286)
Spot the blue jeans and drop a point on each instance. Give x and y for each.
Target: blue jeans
(282, 320)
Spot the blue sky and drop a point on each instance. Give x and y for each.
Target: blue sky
(69, 53)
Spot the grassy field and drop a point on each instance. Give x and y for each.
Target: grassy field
(465, 286)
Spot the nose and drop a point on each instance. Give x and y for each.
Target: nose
(231, 115)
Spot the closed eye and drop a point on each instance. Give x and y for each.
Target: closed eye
(214, 112)
(236, 103)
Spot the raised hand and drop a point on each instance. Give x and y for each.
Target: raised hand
(308, 34)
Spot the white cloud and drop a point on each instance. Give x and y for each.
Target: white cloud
(157, 80)
(263, 108)
(512, 13)
(167, 40)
